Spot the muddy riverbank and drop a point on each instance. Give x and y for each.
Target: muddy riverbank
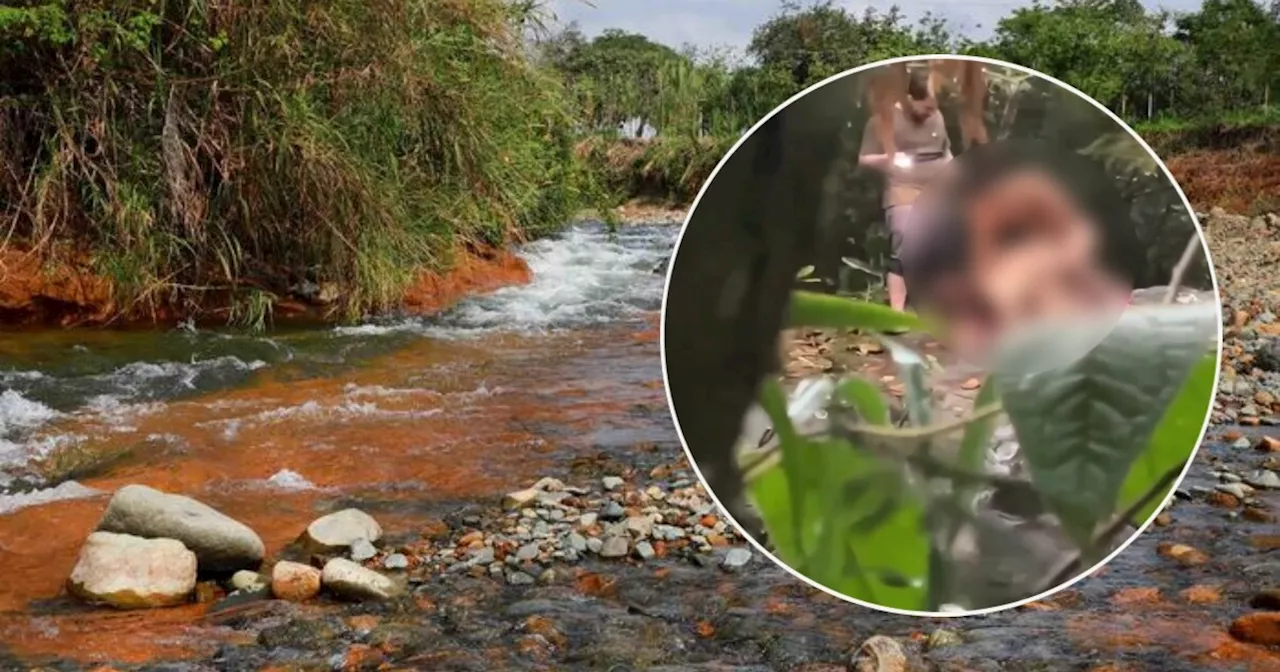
(427, 423)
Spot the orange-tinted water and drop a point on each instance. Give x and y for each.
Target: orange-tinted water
(435, 421)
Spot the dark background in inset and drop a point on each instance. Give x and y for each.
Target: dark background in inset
(850, 217)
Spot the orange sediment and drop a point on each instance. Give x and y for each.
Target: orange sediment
(434, 421)
(44, 289)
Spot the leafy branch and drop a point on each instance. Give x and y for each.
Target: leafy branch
(877, 512)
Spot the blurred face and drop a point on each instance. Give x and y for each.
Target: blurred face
(1035, 255)
(920, 110)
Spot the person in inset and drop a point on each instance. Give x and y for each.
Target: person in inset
(922, 152)
(1020, 231)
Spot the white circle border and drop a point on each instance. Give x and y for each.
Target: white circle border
(662, 336)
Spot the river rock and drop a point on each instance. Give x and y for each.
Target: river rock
(880, 654)
(131, 572)
(1264, 479)
(1268, 599)
(294, 581)
(362, 549)
(352, 581)
(221, 544)
(339, 530)
(615, 546)
(519, 499)
(250, 582)
(736, 558)
(1258, 628)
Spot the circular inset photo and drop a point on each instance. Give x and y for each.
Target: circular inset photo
(941, 335)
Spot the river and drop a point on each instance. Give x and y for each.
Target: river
(419, 421)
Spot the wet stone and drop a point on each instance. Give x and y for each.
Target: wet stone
(129, 572)
(612, 511)
(1238, 490)
(576, 542)
(362, 549)
(614, 547)
(644, 551)
(667, 532)
(736, 558)
(942, 637)
(352, 581)
(294, 581)
(221, 543)
(339, 530)
(640, 526)
(527, 552)
(1263, 479)
(250, 582)
(519, 579)
(396, 561)
(1268, 599)
(611, 483)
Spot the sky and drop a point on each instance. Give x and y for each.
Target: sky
(721, 23)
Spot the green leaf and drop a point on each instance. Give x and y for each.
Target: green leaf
(1173, 441)
(771, 494)
(811, 309)
(865, 398)
(1081, 424)
(797, 463)
(880, 528)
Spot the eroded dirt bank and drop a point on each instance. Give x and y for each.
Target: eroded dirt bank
(43, 290)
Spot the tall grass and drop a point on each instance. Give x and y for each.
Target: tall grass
(200, 151)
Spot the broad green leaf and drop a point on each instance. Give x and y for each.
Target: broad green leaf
(792, 449)
(872, 545)
(772, 497)
(887, 550)
(865, 398)
(810, 309)
(1173, 441)
(1083, 423)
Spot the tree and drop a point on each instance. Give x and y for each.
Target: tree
(813, 42)
(1113, 50)
(614, 76)
(1235, 45)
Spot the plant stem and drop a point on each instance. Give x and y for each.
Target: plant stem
(753, 467)
(1072, 564)
(1180, 270)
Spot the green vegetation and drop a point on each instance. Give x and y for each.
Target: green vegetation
(226, 156)
(222, 153)
(1161, 71)
(875, 511)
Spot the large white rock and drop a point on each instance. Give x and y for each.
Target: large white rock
(220, 543)
(129, 572)
(354, 582)
(339, 530)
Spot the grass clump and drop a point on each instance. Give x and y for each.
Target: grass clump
(666, 168)
(207, 154)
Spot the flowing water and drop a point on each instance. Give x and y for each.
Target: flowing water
(414, 420)
(403, 417)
